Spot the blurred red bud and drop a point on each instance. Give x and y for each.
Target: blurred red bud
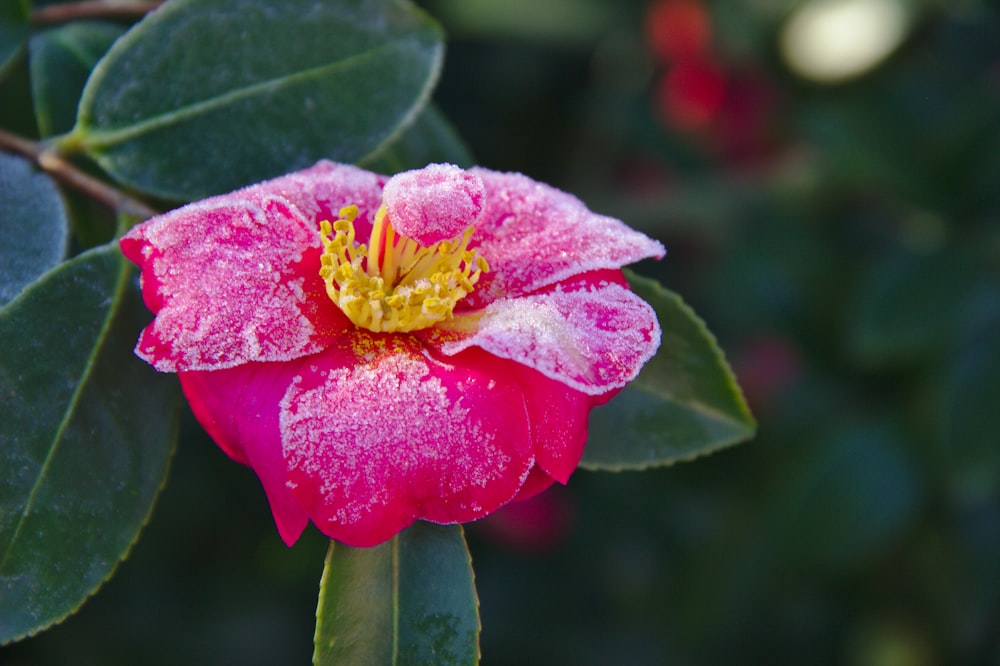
(691, 94)
(533, 526)
(766, 368)
(678, 29)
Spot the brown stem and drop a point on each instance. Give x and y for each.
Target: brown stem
(56, 166)
(93, 9)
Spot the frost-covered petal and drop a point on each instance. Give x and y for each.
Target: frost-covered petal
(320, 191)
(234, 278)
(591, 336)
(231, 283)
(362, 432)
(376, 433)
(538, 481)
(558, 415)
(435, 203)
(534, 235)
(238, 408)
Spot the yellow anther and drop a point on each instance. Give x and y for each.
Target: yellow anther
(394, 283)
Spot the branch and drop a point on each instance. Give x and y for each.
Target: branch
(93, 9)
(56, 166)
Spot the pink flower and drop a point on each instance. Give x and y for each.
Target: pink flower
(426, 346)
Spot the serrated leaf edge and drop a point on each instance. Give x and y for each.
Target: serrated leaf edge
(748, 425)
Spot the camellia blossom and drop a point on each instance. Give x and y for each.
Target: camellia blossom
(381, 350)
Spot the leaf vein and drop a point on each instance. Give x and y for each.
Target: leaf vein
(106, 138)
(69, 413)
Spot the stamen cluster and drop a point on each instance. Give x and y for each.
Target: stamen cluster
(394, 284)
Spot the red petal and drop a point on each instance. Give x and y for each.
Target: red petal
(592, 336)
(558, 417)
(435, 203)
(235, 278)
(319, 193)
(231, 283)
(534, 235)
(537, 482)
(238, 408)
(377, 433)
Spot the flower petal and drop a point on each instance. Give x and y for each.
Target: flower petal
(593, 336)
(377, 433)
(320, 191)
(231, 283)
(534, 235)
(435, 203)
(235, 278)
(537, 482)
(558, 416)
(238, 408)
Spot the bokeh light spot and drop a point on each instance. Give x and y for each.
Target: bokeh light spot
(829, 41)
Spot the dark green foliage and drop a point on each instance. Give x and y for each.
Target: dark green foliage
(842, 242)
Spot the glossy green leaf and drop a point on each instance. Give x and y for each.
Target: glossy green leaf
(85, 441)
(204, 96)
(14, 28)
(683, 404)
(33, 226)
(411, 600)
(430, 139)
(61, 61)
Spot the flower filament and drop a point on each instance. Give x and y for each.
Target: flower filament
(394, 284)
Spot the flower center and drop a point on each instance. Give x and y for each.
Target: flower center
(394, 284)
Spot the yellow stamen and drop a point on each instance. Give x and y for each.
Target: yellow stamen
(394, 283)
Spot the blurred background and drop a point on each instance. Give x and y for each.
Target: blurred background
(826, 177)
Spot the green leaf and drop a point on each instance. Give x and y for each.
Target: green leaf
(61, 60)
(85, 441)
(14, 29)
(411, 600)
(685, 402)
(204, 96)
(430, 139)
(32, 223)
